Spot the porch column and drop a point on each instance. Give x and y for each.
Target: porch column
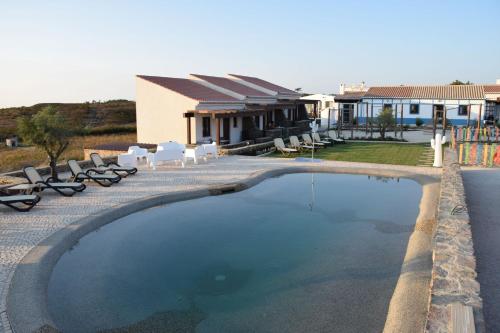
(217, 131)
(188, 121)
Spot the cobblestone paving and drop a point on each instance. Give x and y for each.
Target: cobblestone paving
(20, 232)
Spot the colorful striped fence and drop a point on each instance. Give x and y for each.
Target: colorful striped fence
(486, 135)
(487, 155)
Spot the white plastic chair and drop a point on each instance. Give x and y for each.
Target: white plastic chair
(140, 153)
(196, 153)
(211, 149)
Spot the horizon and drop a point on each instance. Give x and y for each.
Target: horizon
(74, 53)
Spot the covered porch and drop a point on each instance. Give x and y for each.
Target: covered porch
(258, 123)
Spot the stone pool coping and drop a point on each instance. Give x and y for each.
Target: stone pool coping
(27, 296)
(454, 276)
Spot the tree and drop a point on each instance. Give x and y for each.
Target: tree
(48, 130)
(460, 83)
(384, 120)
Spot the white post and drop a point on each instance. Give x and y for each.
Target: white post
(436, 144)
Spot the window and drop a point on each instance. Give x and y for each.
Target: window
(463, 110)
(414, 108)
(387, 106)
(235, 122)
(206, 126)
(257, 121)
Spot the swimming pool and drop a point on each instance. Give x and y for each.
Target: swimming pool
(281, 256)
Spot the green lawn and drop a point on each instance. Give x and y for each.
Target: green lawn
(385, 153)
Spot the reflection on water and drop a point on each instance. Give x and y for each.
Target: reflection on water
(298, 253)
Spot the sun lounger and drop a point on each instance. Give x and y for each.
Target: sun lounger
(295, 143)
(103, 179)
(317, 139)
(21, 202)
(102, 167)
(334, 137)
(63, 188)
(307, 140)
(280, 146)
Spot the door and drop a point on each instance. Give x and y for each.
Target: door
(438, 113)
(226, 128)
(346, 113)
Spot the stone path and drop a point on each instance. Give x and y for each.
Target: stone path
(482, 187)
(20, 232)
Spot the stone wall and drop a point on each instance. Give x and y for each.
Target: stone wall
(454, 264)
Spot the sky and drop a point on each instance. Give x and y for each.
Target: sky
(77, 51)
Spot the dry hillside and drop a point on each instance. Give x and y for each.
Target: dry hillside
(82, 115)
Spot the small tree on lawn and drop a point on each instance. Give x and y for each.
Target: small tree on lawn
(385, 119)
(47, 130)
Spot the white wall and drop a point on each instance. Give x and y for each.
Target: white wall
(425, 108)
(159, 113)
(234, 134)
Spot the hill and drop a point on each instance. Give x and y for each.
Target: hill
(90, 115)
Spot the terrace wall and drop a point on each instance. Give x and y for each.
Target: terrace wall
(454, 264)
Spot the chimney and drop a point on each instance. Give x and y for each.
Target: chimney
(498, 81)
(342, 89)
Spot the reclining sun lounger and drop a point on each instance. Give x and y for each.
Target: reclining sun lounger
(295, 143)
(21, 202)
(102, 167)
(335, 139)
(280, 145)
(307, 140)
(102, 179)
(60, 187)
(317, 139)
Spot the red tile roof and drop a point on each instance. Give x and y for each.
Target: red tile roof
(189, 88)
(353, 95)
(492, 89)
(264, 84)
(231, 85)
(428, 92)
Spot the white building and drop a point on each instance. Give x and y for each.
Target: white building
(460, 104)
(325, 108)
(205, 108)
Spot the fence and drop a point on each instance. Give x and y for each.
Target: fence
(477, 146)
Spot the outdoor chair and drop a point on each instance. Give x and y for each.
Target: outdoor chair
(67, 189)
(167, 152)
(140, 153)
(295, 143)
(211, 149)
(334, 137)
(102, 167)
(307, 140)
(102, 179)
(317, 139)
(21, 202)
(280, 146)
(196, 154)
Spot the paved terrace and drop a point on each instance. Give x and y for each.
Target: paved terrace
(20, 232)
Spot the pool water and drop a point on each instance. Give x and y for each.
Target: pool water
(283, 256)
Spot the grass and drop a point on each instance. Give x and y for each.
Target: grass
(383, 153)
(15, 159)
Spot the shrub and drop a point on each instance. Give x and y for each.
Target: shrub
(418, 122)
(384, 120)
